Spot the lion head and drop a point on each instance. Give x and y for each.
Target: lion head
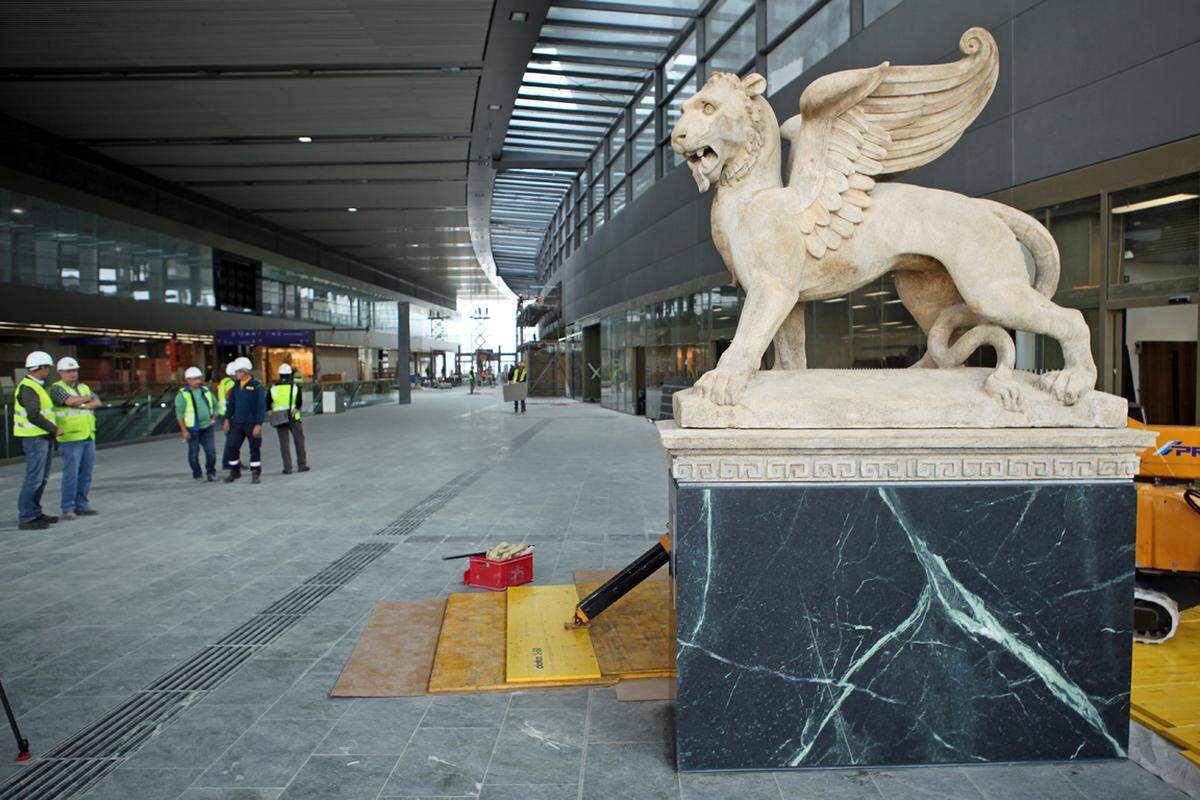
(720, 129)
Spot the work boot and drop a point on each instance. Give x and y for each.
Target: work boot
(68, 515)
(286, 472)
(34, 525)
(233, 476)
(305, 468)
(211, 477)
(197, 477)
(48, 519)
(86, 512)
(256, 478)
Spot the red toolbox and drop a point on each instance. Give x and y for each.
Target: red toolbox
(499, 575)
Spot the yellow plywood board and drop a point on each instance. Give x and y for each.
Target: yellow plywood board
(540, 648)
(471, 649)
(1192, 756)
(634, 637)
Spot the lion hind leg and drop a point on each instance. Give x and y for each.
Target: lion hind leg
(789, 341)
(1000, 385)
(925, 289)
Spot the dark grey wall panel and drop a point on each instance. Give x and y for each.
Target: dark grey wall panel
(1080, 83)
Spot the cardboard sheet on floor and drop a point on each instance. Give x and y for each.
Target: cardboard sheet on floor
(634, 637)
(394, 654)
(472, 649)
(1166, 686)
(539, 647)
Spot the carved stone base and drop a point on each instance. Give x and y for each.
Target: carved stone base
(893, 398)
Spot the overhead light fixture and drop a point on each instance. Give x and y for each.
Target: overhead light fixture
(18, 211)
(835, 300)
(305, 139)
(519, 16)
(352, 209)
(493, 106)
(1158, 201)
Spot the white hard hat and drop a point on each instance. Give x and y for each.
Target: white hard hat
(285, 369)
(66, 362)
(193, 372)
(231, 368)
(243, 363)
(38, 359)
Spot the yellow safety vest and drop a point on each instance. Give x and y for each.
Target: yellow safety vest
(282, 396)
(518, 375)
(223, 394)
(21, 425)
(76, 424)
(189, 404)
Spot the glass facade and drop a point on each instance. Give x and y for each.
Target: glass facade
(633, 144)
(52, 246)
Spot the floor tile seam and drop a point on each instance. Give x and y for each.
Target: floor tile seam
(583, 754)
(983, 794)
(1062, 769)
(403, 750)
(496, 742)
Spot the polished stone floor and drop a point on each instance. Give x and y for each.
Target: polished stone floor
(94, 610)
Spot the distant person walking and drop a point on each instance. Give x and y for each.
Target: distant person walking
(286, 402)
(246, 410)
(75, 416)
(472, 379)
(33, 424)
(517, 374)
(195, 411)
(225, 385)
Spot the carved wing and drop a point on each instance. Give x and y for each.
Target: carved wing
(859, 123)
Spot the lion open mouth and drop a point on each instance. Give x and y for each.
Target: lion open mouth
(702, 162)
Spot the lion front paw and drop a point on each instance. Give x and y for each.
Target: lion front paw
(1068, 385)
(1005, 390)
(724, 386)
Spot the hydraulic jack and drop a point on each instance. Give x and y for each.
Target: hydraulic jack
(621, 584)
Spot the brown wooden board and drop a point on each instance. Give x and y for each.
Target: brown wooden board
(472, 650)
(634, 637)
(640, 689)
(394, 654)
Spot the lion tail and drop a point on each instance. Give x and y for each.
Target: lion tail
(1036, 239)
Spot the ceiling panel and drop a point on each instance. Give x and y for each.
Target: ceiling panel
(278, 107)
(357, 195)
(198, 177)
(286, 153)
(314, 223)
(93, 33)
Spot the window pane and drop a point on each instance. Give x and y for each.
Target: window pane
(643, 143)
(618, 199)
(643, 105)
(811, 42)
(722, 17)
(1076, 229)
(874, 9)
(682, 62)
(781, 14)
(1154, 237)
(643, 179)
(618, 167)
(735, 54)
(618, 135)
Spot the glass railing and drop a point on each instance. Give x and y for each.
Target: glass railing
(142, 416)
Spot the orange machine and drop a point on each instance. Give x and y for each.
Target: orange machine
(1168, 531)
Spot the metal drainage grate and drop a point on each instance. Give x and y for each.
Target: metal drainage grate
(123, 729)
(522, 438)
(259, 630)
(412, 519)
(51, 780)
(302, 599)
(355, 560)
(204, 670)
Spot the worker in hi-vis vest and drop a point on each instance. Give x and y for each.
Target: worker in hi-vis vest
(196, 412)
(518, 375)
(245, 411)
(33, 424)
(286, 403)
(75, 415)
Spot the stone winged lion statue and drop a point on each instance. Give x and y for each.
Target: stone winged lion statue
(956, 260)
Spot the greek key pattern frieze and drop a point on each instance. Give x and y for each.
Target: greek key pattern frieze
(917, 467)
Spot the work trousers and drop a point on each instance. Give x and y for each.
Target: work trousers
(522, 404)
(296, 429)
(77, 458)
(202, 438)
(238, 433)
(37, 472)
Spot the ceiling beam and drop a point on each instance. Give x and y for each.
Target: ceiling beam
(236, 72)
(626, 8)
(512, 161)
(267, 140)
